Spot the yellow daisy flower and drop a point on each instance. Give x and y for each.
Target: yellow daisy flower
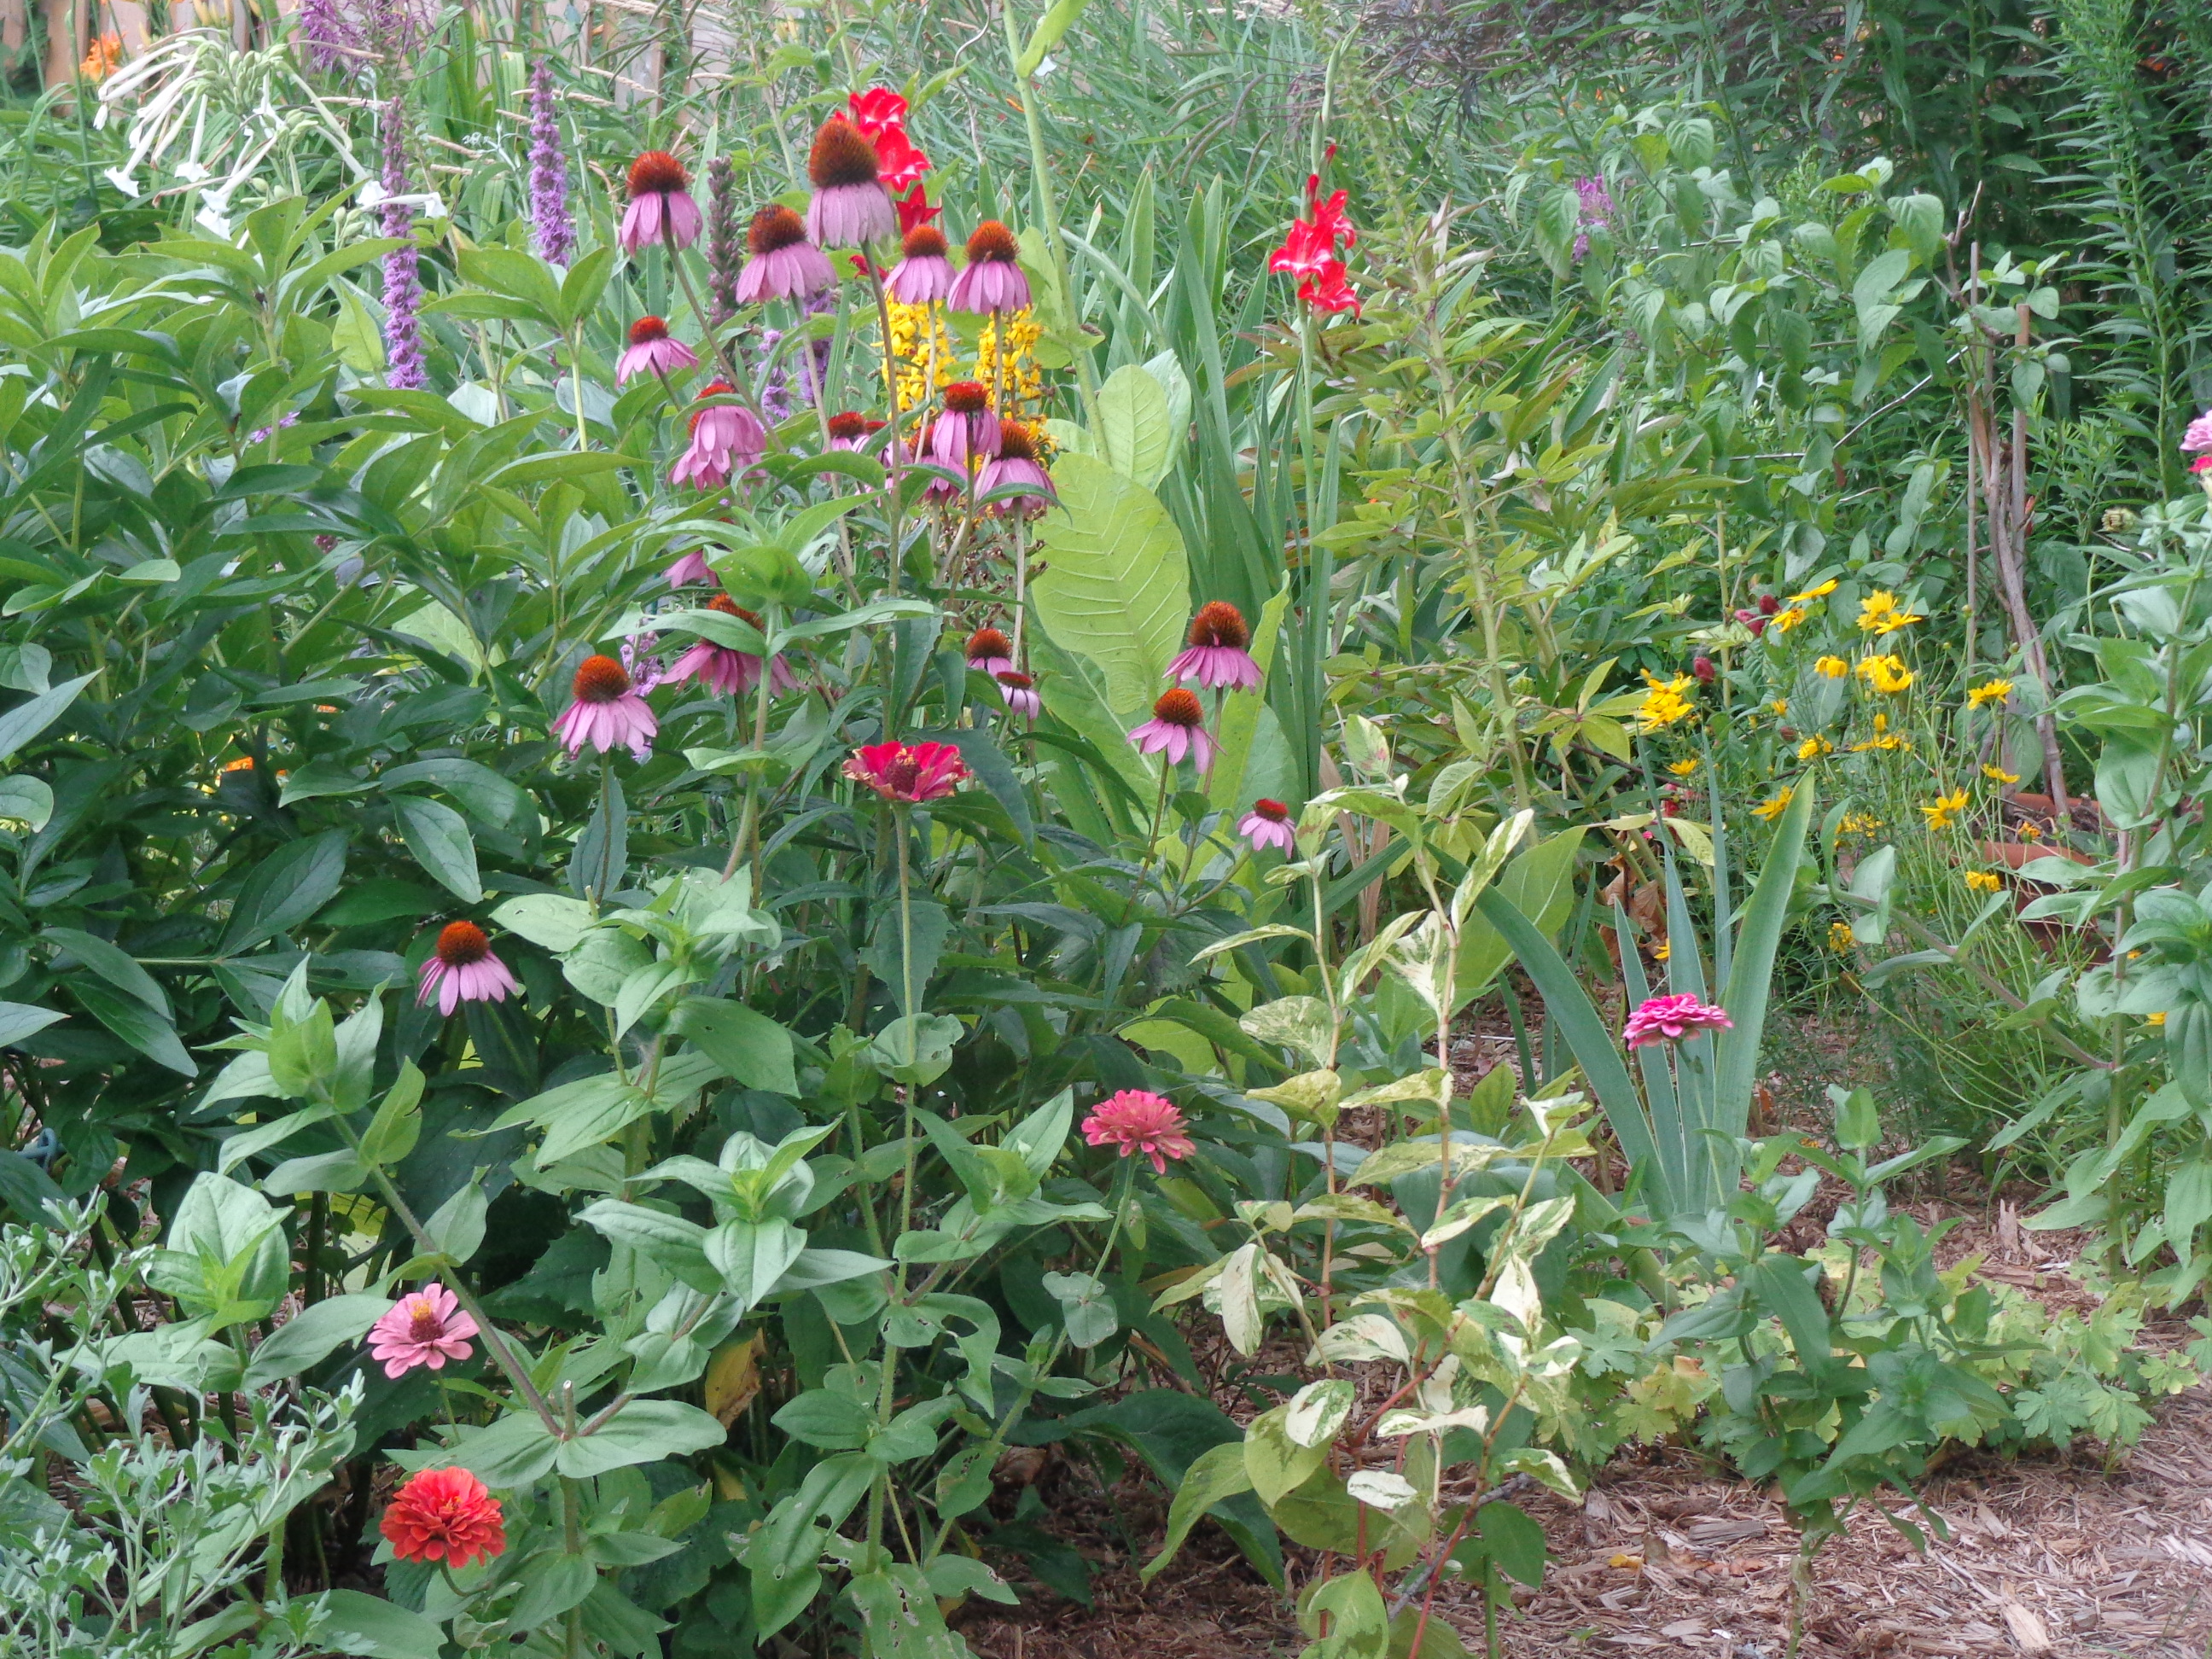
(1840, 937)
(1945, 810)
(1998, 774)
(1987, 692)
(1819, 592)
(1773, 807)
(1787, 618)
(1683, 768)
(1879, 613)
(1887, 675)
(1813, 747)
(1983, 881)
(1665, 703)
(1832, 668)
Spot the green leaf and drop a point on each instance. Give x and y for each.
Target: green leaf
(457, 1226)
(642, 1431)
(285, 890)
(1086, 1307)
(307, 1338)
(1216, 1474)
(1242, 715)
(26, 801)
(1136, 435)
(821, 1418)
(1751, 976)
(27, 719)
(439, 838)
(354, 1622)
(392, 1134)
(150, 1033)
(1117, 585)
(112, 964)
(750, 1048)
(550, 921)
(752, 1255)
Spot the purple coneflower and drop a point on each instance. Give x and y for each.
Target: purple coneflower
(607, 711)
(1268, 824)
(1216, 656)
(851, 207)
(1016, 465)
(923, 273)
(994, 280)
(724, 668)
(1177, 728)
(725, 439)
(989, 652)
(661, 205)
(784, 265)
(402, 290)
(1021, 692)
(651, 351)
(461, 969)
(968, 429)
(549, 172)
(691, 568)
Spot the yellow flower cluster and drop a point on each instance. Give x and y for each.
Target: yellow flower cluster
(1887, 675)
(1983, 881)
(1666, 703)
(1884, 740)
(1879, 613)
(1840, 937)
(1025, 383)
(1989, 691)
(1832, 668)
(918, 339)
(1860, 824)
(1774, 805)
(1813, 747)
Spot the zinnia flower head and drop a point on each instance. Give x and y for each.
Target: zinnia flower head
(1268, 824)
(1670, 1019)
(1138, 1120)
(782, 264)
(661, 205)
(908, 772)
(993, 279)
(1176, 729)
(989, 652)
(1021, 692)
(444, 1515)
(607, 711)
(851, 207)
(651, 351)
(1216, 656)
(2198, 438)
(462, 969)
(923, 273)
(424, 1327)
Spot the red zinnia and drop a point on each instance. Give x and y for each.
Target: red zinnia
(444, 1515)
(908, 772)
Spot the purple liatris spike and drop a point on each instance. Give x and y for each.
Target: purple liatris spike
(1593, 212)
(724, 239)
(549, 172)
(773, 379)
(403, 290)
(328, 36)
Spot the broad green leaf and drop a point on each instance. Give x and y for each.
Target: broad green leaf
(1215, 1474)
(354, 1622)
(19, 725)
(1117, 583)
(642, 1431)
(439, 838)
(285, 890)
(26, 801)
(1135, 436)
(309, 1335)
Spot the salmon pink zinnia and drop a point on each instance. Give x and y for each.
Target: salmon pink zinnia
(444, 1515)
(1139, 1122)
(426, 1327)
(1670, 1019)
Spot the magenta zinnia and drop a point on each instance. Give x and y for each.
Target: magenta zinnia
(908, 772)
(1670, 1019)
(462, 969)
(1137, 1121)
(425, 1328)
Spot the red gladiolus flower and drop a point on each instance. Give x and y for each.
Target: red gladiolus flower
(908, 772)
(1312, 252)
(880, 113)
(444, 1515)
(1329, 291)
(1137, 1121)
(914, 210)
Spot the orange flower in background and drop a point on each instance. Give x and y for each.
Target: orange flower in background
(101, 61)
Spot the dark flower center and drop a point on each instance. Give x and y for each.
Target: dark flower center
(656, 172)
(462, 944)
(967, 397)
(646, 330)
(1179, 707)
(774, 227)
(1007, 676)
(850, 426)
(842, 155)
(923, 242)
(1219, 623)
(1016, 442)
(425, 1326)
(1274, 811)
(993, 240)
(986, 643)
(601, 679)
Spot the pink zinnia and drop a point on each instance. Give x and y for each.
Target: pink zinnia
(1216, 656)
(968, 429)
(1139, 1122)
(989, 652)
(994, 280)
(1177, 728)
(607, 711)
(2198, 438)
(851, 207)
(923, 274)
(724, 668)
(661, 205)
(725, 438)
(651, 352)
(908, 772)
(444, 1515)
(1268, 824)
(782, 264)
(1670, 1019)
(426, 1327)
(1021, 692)
(462, 969)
